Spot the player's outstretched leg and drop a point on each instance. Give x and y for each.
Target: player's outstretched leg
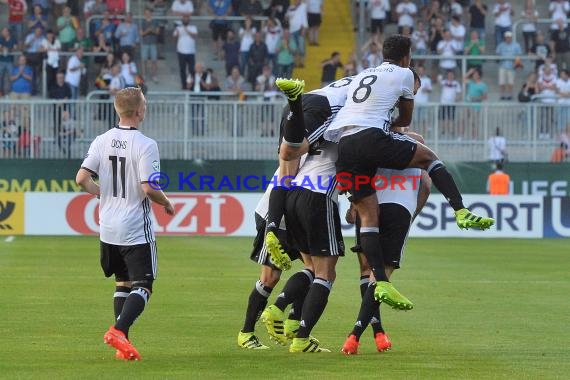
(273, 319)
(292, 88)
(278, 256)
(250, 341)
(467, 219)
(387, 293)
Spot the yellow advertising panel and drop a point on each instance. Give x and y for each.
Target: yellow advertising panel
(11, 213)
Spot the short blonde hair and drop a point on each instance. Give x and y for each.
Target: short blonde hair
(128, 101)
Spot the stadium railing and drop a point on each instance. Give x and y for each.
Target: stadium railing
(216, 126)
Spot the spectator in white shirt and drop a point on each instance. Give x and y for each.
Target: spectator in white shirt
(182, 8)
(450, 93)
(458, 32)
(74, 71)
(273, 32)
(503, 12)
(446, 48)
(558, 11)
(420, 40)
(298, 24)
(407, 12)
(378, 12)
(563, 92)
(422, 115)
(186, 48)
(246, 36)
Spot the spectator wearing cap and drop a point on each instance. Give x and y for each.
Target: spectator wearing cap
(330, 67)
(503, 12)
(509, 50)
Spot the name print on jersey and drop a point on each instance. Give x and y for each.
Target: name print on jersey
(118, 144)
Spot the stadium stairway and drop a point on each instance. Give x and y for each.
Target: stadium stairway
(336, 34)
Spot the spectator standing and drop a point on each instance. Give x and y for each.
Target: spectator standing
(182, 8)
(128, 34)
(51, 47)
(265, 82)
(314, 20)
(298, 25)
(38, 20)
(73, 73)
(530, 15)
(21, 78)
(67, 26)
(186, 35)
(149, 50)
(434, 12)
(231, 52)
(279, 9)
(59, 91)
(117, 84)
(450, 93)
(35, 56)
(286, 50)
(421, 117)
(8, 45)
(160, 9)
(251, 8)
(497, 148)
(499, 182)
(503, 12)
(447, 48)
(458, 33)
(379, 10)
(220, 9)
(547, 95)
(559, 12)
(474, 47)
(17, 10)
(128, 70)
(420, 39)
(371, 51)
(509, 50)
(102, 48)
(66, 134)
(199, 80)
(560, 40)
(529, 88)
(107, 29)
(476, 91)
(246, 35)
(273, 33)
(563, 92)
(436, 34)
(407, 12)
(330, 67)
(257, 58)
(540, 49)
(477, 15)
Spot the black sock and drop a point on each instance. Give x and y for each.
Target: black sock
(367, 308)
(255, 305)
(133, 307)
(314, 305)
(294, 128)
(364, 281)
(121, 294)
(296, 287)
(445, 183)
(276, 208)
(297, 308)
(376, 322)
(370, 241)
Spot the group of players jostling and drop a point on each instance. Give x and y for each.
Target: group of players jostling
(343, 130)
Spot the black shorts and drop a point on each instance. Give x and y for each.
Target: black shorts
(129, 262)
(394, 221)
(447, 113)
(316, 114)
(219, 30)
(362, 153)
(314, 19)
(376, 24)
(259, 252)
(313, 223)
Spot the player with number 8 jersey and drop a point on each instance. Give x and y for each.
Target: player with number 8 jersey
(126, 162)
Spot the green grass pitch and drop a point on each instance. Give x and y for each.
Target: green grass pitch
(484, 309)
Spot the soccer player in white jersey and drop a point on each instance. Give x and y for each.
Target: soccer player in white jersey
(363, 130)
(125, 161)
(314, 228)
(269, 277)
(304, 121)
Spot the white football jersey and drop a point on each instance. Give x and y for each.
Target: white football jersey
(371, 98)
(336, 96)
(123, 158)
(399, 186)
(318, 173)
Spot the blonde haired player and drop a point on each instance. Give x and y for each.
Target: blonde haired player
(126, 162)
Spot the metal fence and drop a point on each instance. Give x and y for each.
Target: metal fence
(187, 127)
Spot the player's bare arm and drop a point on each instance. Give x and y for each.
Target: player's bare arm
(84, 178)
(157, 196)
